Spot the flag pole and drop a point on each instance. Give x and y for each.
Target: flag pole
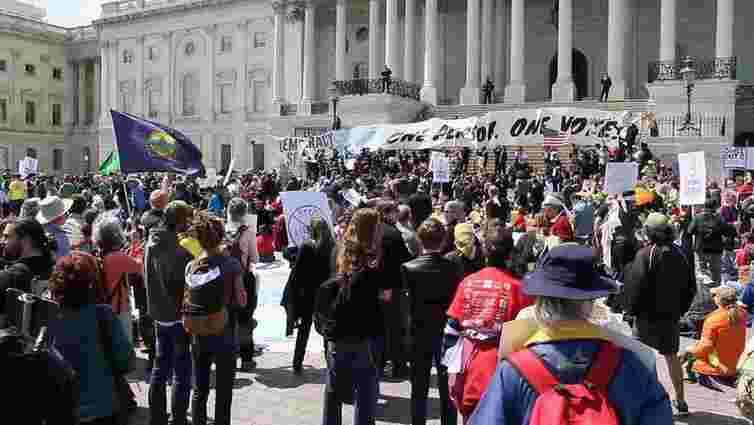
(125, 192)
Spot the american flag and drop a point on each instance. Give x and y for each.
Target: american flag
(556, 139)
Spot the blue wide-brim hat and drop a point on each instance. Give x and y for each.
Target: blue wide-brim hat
(569, 272)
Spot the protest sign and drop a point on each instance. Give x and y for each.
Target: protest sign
(210, 180)
(693, 172)
(299, 208)
(733, 157)
(230, 171)
(620, 177)
(27, 166)
(440, 166)
(749, 158)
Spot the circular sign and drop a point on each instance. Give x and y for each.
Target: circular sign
(299, 222)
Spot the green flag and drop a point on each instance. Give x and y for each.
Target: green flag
(110, 165)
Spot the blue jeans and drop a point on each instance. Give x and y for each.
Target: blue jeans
(350, 366)
(172, 360)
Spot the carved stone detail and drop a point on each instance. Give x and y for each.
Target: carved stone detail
(153, 83)
(44, 58)
(296, 11)
(126, 87)
(226, 76)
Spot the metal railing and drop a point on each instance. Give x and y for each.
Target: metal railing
(708, 125)
(394, 86)
(706, 69)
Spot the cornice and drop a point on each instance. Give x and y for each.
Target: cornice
(142, 14)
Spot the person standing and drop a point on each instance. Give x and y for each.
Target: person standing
(52, 215)
(554, 210)
(164, 267)
(606, 84)
(17, 193)
(488, 89)
(431, 281)
(708, 229)
(660, 287)
(386, 77)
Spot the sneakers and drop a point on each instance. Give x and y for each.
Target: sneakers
(680, 408)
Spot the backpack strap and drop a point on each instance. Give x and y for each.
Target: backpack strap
(604, 365)
(531, 368)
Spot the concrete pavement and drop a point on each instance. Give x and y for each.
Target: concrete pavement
(272, 395)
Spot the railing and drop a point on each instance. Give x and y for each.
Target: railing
(708, 125)
(706, 69)
(86, 33)
(393, 87)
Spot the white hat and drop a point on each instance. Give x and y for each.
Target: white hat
(52, 207)
(553, 200)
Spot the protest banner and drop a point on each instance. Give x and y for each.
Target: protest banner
(230, 171)
(440, 166)
(749, 158)
(733, 157)
(693, 173)
(299, 208)
(620, 177)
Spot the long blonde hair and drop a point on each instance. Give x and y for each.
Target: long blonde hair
(356, 251)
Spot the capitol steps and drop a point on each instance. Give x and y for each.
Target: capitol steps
(466, 111)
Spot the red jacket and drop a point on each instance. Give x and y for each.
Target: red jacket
(562, 228)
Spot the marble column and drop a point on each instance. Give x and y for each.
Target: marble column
(104, 77)
(170, 84)
(242, 74)
(409, 41)
(431, 41)
(375, 64)
(617, 34)
(488, 37)
(515, 91)
(564, 90)
(278, 52)
(310, 59)
(392, 38)
(139, 56)
(82, 93)
(97, 87)
(69, 93)
(667, 31)
(724, 38)
(341, 31)
(470, 93)
(500, 41)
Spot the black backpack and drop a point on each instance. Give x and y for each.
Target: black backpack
(326, 307)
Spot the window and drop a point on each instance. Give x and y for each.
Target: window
(226, 151)
(190, 91)
(226, 43)
(89, 109)
(31, 112)
(226, 99)
(260, 93)
(3, 65)
(57, 74)
(127, 57)
(57, 159)
(259, 40)
(3, 110)
(30, 69)
(124, 102)
(153, 100)
(86, 155)
(56, 114)
(152, 53)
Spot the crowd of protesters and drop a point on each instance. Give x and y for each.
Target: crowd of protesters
(506, 258)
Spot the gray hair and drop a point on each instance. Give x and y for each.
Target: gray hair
(549, 310)
(237, 210)
(30, 208)
(108, 233)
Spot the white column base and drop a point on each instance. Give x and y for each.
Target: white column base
(304, 108)
(618, 92)
(428, 94)
(563, 91)
(515, 93)
(471, 96)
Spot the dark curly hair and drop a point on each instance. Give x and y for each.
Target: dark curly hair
(208, 230)
(75, 279)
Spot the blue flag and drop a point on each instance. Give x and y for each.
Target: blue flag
(144, 145)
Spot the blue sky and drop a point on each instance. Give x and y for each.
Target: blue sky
(72, 13)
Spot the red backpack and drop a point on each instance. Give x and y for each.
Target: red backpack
(574, 404)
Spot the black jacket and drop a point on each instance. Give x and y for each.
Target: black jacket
(431, 281)
(709, 229)
(465, 265)
(663, 291)
(357, 312)
(312, 268)
(394, 254)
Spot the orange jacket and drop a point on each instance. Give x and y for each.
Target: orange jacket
(721, 345)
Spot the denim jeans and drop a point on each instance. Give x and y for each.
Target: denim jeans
(225, 374)
(427, 349)
(350, 366)
(302, 338)
(172, 360)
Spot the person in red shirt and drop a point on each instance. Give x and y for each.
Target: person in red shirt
(554, 210)
(483, 302)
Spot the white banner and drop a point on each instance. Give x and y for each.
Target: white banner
(620, 177)
(733, 157)
(431, 134)
(27, 166)
(693, 172)
(299, 209)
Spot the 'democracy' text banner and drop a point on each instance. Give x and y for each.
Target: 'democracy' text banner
(298, 144)
(530, 126)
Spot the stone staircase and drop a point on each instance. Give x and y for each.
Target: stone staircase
(536, 158)
(466, 111)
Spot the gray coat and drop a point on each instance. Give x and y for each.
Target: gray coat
(164, 267)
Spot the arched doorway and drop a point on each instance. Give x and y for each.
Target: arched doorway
(580, 71)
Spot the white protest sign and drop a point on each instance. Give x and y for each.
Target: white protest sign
(230, 171)
(210, 180)
(27, 166)
(620, 177)
(693, 172)
(440, 166)
(299, 209)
